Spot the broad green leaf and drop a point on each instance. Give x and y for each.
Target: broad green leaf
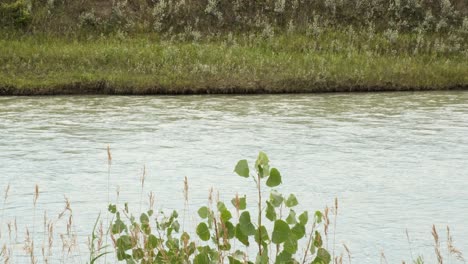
(185, 237)
(144, 219)
(203, 212)
(241, 203)
(283, 257)
(124, 243)
(290, 245)
(274, 179)
(291, 219)
(153, 242)
(176, 226)
(318, 217)
(262, 259)
(281, 231)
(112, 208)
(262, 166)
(203, 232)
(291, 201)
(221, 206)
(121, 255)
(262, 159)
(304, 218)
(241, 236)
(138, 253)
(313, 249)
(270, 212)
(230, 230)
(146, 228)
(299, 231)
(174, 214)
(318, 239)
(202, 258)
(323, 257)
(118, 227)
(242, 168)
(234, 261)
(264, 235)
(239, 255)
(246, 225)
(276, 198)
(226, 215)
(225, 247)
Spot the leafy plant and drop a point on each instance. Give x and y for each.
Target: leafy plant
(137, 243)
(220, 228)
(16, 14)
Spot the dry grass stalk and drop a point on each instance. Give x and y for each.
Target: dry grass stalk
(326, 222)
(151, 198)
(437, 245)
(409, 243)
(348, 252)
(143, 177)
(50, 233)
(5, 253)
(67, 208)
(109, 156)
(29, 247)
(186, 189)
(335, 212)
(383, 259)
(453, 251)
(142, 180)
(9, 230)
(7, 189)
(210, 196)
(237, 204)
(16, 230)
(339, 260)
(36, 194)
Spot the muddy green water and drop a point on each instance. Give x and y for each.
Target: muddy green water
(395, 161)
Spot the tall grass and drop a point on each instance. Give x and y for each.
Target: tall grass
(143, 64)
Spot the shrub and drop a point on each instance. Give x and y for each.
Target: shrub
(159, 239)
(16, 14)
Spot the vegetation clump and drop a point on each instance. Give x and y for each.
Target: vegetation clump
(224, 230)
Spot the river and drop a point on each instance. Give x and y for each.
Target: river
(395, 161)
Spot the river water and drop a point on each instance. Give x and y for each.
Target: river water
(395, 161)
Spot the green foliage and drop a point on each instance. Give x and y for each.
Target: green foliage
(157, 239)
(193, 19)
(16, 14)
(334, 60)
(151, 240)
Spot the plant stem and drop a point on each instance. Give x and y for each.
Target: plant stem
(259, 216)
(309, 243)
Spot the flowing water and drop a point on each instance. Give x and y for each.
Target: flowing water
(395, 161)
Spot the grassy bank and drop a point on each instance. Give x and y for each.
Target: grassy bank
(219, 46)
(142, 64)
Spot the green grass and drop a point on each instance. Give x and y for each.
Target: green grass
(333, 60)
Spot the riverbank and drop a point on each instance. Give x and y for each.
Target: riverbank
(335, 61)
